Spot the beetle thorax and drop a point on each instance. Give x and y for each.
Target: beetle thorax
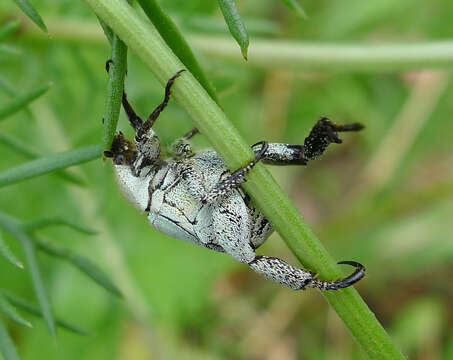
(134, 188)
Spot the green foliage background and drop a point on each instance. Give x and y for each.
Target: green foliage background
(383, 202)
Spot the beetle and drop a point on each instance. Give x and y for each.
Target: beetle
(194, 197)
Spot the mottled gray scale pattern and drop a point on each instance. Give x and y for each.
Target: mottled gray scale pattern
(282, 154)
(278, 270)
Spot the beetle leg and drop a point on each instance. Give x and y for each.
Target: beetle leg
(156, 112)
(321, 135)
(234, 180)
(297, 279)
(181, 148)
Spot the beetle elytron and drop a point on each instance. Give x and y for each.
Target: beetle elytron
(194, 197)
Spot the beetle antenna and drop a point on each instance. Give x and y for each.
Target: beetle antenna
(148, 124)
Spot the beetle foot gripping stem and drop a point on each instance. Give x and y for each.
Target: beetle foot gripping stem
(358, 274)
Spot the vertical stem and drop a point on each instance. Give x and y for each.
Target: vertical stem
(114, 90)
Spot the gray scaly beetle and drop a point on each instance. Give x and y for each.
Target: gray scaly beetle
(194, 197)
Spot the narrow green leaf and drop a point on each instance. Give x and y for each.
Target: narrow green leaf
(7, 348)
(31, 154)
(34, 310)
(8, 255)
(176, 41)
(8, 29)
(11, 92)
(56, 221)
(49, 163)
(10, 312)
(115, 86)
(82, 263)
(235, 24)
(295, 6)
(22, 100)
(12, 226)
(107, 31)
(30, 11)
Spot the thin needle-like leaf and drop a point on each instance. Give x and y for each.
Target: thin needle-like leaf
(82, 263)
(176, 41)
(31, 154)
(235, 24)
(56, 221)
(8, 29)
(8, 255)
(7, 348)
(34, 310)
(117, 72)
(22, 100)
(12, 92)
(30, 11)
(296, 7)
(12, 226)
(49, 163)
(10, 312)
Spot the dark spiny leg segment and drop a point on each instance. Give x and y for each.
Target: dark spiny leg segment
(322, 134)
(155, 114)
(235, 179)
(297, 279)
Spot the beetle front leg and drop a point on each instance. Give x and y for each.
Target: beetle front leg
(321, 135)
(181, 148)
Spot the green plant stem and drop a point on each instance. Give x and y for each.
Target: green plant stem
(115, 85)
(49, 163)
(269, 197)
(296, 55)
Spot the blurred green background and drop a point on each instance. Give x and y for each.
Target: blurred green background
(383, 197)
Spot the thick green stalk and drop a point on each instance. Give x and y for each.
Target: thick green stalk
(144, 40)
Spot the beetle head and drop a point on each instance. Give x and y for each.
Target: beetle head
(122, 150)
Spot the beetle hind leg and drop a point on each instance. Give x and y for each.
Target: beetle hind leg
(298, 279)
(321, 135)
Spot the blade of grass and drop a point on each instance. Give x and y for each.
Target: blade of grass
(22, 100)
(11, 92)
(49, 163)
(7, 348)
(82, 263)
(30, 11)
(235, 24)
(12, 226)
(34, 310)
(266, 193)
(9, 28)
(176, 41)
(31, 154)
(295, 6)
(115, 85)
(56, 221)
(10, 312)
(8, 255)
(107, 31)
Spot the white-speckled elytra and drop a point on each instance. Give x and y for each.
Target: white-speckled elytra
(194, 197)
